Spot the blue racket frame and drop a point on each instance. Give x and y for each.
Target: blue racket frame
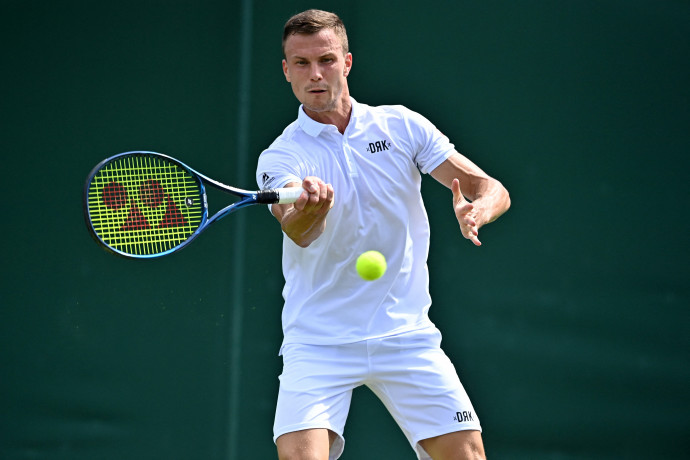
(247, 198)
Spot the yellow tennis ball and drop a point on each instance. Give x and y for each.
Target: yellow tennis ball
(371, 265)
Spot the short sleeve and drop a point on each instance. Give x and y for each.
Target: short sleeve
(431, 147)
(276, 168)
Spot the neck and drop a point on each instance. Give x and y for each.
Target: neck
(339, 116)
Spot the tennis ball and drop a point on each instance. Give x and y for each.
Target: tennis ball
(371, 265)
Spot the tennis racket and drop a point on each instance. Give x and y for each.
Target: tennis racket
(145, 204)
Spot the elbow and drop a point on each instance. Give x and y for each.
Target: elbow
(302, 243)
(303, 240)
(506, 198)
(501, 198)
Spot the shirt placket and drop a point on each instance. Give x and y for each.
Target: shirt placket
(348, 154)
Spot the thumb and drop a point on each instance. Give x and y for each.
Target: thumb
(457, 193)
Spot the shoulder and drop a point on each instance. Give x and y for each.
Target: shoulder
(385, 111)
(289, 142)
(395, 117)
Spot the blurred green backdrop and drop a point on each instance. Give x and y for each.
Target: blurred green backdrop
(569, 327)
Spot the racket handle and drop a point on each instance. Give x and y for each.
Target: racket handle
(288, 194)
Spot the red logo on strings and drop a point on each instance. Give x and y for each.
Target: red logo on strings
(151, 195)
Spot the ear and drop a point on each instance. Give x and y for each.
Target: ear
(285, 70)
(348, 64)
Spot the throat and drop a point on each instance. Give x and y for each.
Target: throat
(339, 117)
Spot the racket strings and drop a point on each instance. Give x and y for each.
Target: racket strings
(143, 205)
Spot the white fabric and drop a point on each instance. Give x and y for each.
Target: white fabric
(409, 373)
(375, 172)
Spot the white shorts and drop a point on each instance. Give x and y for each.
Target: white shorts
(409, 372)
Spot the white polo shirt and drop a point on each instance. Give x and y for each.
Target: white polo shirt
(374, 168)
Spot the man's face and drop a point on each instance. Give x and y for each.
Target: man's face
(317, 69)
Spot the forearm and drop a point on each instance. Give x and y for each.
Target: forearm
(300, 227)
(489, 197)
(305, 220)
(491, 202)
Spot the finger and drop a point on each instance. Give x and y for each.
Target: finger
(471, 233)
(311, 184)
(310, 187)
(323, 192)
(319, 196)
(465, 216)
(463, 208)
(468, 220)
(457, 193)
(330, 197)
(314, 200)
(301, 201)
(327, 196)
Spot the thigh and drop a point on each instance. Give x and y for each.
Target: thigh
(315, 392)
(459, 445)
(306, 444)
(420, 387)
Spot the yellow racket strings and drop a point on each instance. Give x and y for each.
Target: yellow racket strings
(143, 205)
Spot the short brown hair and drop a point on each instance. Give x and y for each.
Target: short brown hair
(314, 21)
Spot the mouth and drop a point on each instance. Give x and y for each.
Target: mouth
(316, 90)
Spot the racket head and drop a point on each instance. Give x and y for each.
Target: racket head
(144, 204)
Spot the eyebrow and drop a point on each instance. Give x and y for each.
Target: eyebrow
(327, 54)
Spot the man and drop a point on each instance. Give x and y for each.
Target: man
(360, 168)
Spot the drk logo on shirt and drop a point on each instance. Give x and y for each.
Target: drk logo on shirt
(378, 146)
(464, 416)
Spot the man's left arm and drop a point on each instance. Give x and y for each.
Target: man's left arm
(486, 198)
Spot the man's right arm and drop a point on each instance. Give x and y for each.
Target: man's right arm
(305, 220)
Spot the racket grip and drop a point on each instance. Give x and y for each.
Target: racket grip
(288, 194)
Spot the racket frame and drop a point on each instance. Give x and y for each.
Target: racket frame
(247, 198)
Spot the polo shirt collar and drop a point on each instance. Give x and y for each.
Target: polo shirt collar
(313, 127)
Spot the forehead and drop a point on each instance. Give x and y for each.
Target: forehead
(309, 45)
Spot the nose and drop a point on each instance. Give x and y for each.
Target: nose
(315, 72)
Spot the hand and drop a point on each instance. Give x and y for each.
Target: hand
(466, 214)
(318, 199)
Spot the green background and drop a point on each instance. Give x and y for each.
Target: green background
(569, 327)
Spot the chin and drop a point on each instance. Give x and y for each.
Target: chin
(319, 108)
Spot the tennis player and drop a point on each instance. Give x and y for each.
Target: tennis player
(360, 168)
